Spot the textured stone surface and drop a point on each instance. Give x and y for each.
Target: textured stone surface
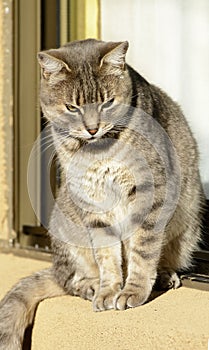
(176, 320)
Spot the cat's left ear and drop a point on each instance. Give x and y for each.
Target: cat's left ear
(50, 64)
(114, 59)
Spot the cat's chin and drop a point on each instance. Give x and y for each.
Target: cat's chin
(92, 140)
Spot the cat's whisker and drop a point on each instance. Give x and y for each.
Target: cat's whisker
(46, 142)
(136, 95)
(45, 124)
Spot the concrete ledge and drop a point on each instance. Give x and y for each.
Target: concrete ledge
(178, 319)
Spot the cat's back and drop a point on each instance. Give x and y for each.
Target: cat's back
(168, 114)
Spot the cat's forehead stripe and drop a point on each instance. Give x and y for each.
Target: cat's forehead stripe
(87, 89)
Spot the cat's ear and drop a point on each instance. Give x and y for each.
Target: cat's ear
(114, 57)
(50, 64)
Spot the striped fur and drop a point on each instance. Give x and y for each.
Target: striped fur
(111, 234)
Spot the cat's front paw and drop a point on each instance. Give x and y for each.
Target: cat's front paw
(131, 297)
(105, 299)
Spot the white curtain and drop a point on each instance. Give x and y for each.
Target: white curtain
(169, 45)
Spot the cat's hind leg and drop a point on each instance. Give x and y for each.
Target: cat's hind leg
(76, 271)
(167, 278)
(177, 256)
(182, 236)
(85, 287)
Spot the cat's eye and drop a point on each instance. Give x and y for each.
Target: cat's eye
(108, 103)
(72, 108)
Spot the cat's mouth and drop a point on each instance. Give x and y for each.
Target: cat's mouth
(93, 139)
(93, 135)
(87, 139)
(111, 134)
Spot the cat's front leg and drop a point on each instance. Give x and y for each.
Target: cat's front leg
(111, 280)
(143, 252)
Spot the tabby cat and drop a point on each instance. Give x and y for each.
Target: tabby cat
(128, 208)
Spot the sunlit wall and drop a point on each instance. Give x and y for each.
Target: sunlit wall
(169, 45)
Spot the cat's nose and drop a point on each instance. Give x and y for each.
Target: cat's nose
(92, 131)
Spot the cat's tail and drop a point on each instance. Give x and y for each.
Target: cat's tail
(18, 307)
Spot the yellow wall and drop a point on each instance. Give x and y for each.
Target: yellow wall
(85, 19)
(6, 119)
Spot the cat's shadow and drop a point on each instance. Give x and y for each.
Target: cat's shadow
(154, 295)
(27, 340)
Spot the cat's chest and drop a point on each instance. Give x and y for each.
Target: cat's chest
(102, 186)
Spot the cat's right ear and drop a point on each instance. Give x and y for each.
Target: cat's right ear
(50, 64)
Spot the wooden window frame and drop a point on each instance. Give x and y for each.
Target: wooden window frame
(39, 24)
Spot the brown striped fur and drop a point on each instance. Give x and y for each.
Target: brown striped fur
(92, 100)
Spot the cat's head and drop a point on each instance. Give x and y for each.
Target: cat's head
(84, 87)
